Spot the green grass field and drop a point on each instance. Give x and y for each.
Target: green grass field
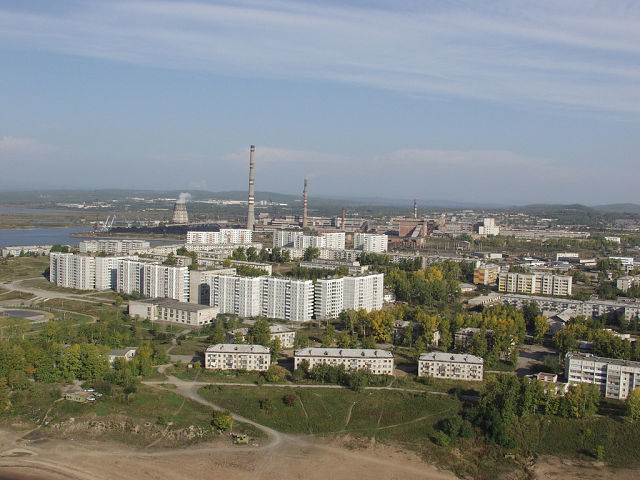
(22, 267)
(13, 295)
(44, 284)
(393, 416)
(190, 346)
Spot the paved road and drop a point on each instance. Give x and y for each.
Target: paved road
(17, 286)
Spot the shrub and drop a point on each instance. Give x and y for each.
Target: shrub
(222, 420)
(265, 404)
(441, 439)
(289, 399)
(275, 374)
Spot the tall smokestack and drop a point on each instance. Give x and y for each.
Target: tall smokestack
(415, 208)
(343, 222)
(250, 212)
(304, 204)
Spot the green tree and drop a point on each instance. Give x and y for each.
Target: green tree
(329, 336)
(311, 253)
(276, 347)
(170, 260)
(221, 420)
(540, 328)
(633, 404)
(301, 340)
(581, 401)
(260, 333)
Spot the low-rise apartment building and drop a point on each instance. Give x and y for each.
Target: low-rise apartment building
(535, 283)
(226, 236)
(231, 356)
(285, 334)
(486, 274)
(376, 361)
(615, 378)
(113, 247)
(627, 282)
(169, 310)
(17, 250)
(450, 365)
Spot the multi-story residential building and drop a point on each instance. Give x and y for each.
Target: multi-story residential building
(226, 236)
(226, 356)
(305, 241)
(169, 310)
(486, 274)
(615, 378)
(488, 227)
(287, 299)
(107, 272)
(285, 238)
(334, 240)
(532, 283)
(113, 247)
(462, 338)
(153, 280)
(450, 365)
(200, 282)
(571, 257)
(329, 298)
(370, 242)
(284, 334)
(363, 292)
(72, 271)
(379, 362)
(574, 308)
(17, 250)
(353, 268)
(627, 282)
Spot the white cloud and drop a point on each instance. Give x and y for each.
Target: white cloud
(577, 54)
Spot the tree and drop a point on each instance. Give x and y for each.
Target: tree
(581, 401)
(260, 333)
(329, 336)
(171, 259)
(276, 347)
(311, 253)
(633, 404)
(358, 380)
(252, 254)
(478, 345)
(531, 311)
(301, 340)
(540, 328)
(222, 420)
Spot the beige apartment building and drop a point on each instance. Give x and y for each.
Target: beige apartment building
(450, 365)
(230, 356)
(535, 283)
(285, 334)
(376, 361)
(615, 378)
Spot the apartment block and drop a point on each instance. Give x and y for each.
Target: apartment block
(450, 365)
(230, 356)
(363, 292)
(535, 283)
(615, 378)
(113, 247)
(153, 280)
(329, 298)
(627, 282)
(107, 272)
(486, 274)
(370, 242)
(226, 236)
(376, 361)
(287, 299)
(72, 271)
(488, 227)
(169, 310)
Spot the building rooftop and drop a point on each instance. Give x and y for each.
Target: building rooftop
(450, 357)
(237, 348)
(610, 361)
(343, 352)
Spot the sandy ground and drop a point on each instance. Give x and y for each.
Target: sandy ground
(54, 459)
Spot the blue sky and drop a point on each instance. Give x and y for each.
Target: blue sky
(503, 102)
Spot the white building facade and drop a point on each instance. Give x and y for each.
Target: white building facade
(230, 356)
(450, 365)
(370, 242)
(376, 361)
(615, 378)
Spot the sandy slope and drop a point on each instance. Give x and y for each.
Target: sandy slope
(54, 459)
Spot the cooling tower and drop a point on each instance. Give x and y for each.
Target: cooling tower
(180, 213)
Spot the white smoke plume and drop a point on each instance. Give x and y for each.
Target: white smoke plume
(183, 197)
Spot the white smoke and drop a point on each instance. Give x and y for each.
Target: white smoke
(183, 197)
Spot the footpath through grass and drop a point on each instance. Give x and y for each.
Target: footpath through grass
(398, 416)
(22, 267)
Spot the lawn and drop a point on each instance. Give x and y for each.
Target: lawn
(190, 346)
(13, 295)
(224, 376)
(22, 267)
(94, 309)
(44, 284)
(389, 415)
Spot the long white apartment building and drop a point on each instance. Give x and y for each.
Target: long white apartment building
(113, 247)
(200, 284)
(107, 271)
(450, 365)
(72, 271)
(590, 308)
(615, 378)
(281, 298)
(333, 295)
(17, 250)
(226, 236)
(298, 240)
(376, 361)
(231, 356)
(535, 283)
(153, 280)
(370, 242)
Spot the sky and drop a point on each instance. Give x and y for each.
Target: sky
(504, 102)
